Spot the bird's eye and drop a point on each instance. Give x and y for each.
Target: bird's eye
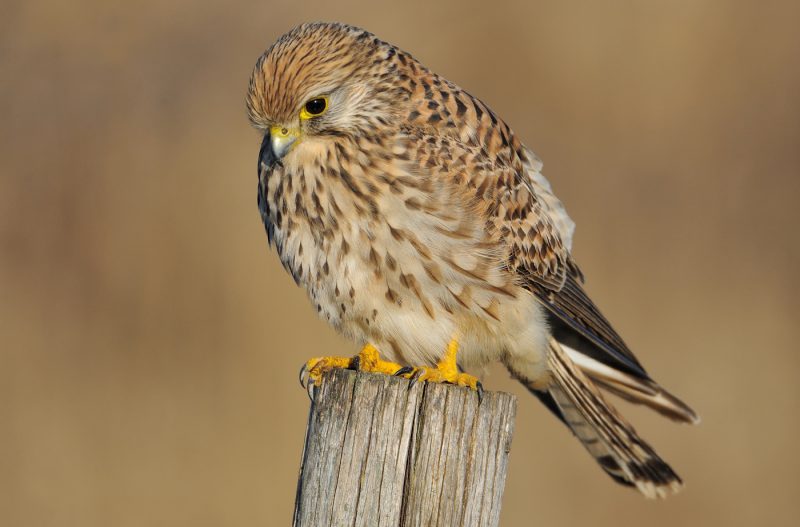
(314, 107)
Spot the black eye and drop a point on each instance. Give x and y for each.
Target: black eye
(316, 106)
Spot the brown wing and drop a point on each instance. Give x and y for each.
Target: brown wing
(479, 150)
(539, 256)
(574, 311)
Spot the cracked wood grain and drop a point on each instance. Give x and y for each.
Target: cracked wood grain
(379, 452)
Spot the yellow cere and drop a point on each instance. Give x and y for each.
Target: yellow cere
(283, 132)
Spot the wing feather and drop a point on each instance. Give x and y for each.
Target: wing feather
(527, 217)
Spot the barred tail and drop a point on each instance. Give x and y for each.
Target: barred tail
(608, 437)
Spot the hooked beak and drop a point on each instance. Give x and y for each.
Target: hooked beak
(283, 138)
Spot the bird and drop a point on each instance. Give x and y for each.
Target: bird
(424, 230)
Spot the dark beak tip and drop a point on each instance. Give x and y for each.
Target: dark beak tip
(266, 157)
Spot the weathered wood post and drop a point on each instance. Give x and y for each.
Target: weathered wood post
(379, 452)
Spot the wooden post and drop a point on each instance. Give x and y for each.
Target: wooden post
(379, 452)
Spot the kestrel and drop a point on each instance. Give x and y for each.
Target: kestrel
(422, 228)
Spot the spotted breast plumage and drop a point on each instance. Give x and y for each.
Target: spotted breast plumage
(423, 229)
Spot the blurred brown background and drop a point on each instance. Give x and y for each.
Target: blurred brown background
(149, 341)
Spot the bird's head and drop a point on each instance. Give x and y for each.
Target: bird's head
(321, 81)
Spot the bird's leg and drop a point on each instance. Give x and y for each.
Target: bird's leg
(447, 370)
(368, 360)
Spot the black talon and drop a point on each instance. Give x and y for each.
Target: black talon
(355, 363)
(403, 371)
(414, 378)
(479, 389)
(303, 372)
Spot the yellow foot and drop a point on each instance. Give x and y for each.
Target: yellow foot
(368, 360)
(446, 371)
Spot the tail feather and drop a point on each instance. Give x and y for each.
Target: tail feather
(632, 388)
(608, 437)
